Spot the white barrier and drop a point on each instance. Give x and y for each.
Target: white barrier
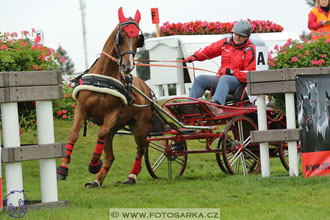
(40, 87)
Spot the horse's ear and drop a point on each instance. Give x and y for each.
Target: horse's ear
(137, 16)
(327, 95)
(121, 15)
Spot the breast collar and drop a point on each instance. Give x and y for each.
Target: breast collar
(105, 84)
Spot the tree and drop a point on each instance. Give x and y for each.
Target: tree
(64, 61)
(311, 2)
(143, 72)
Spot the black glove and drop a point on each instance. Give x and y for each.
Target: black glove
(229, 71)
(190, 59)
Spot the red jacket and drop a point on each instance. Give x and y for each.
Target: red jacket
(241, 59)
(314, 20)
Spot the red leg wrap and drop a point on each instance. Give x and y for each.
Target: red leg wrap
(136, 166)
(98, 148)
(101, 175)
(69, 149)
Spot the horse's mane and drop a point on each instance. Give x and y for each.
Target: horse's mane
(110, 45)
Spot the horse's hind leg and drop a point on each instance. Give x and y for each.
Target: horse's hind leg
(79, 119)
(108, 160)
(141, 132)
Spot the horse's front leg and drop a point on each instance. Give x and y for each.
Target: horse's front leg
(78, 121)
(95, 163)
(108, 160)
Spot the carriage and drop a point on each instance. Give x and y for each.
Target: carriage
(222, 130)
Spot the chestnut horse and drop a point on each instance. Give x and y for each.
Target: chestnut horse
(105, 98)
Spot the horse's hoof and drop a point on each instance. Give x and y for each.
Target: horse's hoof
(130, 181)
(93, 184)
(62, 172)
(94, 169)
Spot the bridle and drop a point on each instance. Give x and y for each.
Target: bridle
(117, 40)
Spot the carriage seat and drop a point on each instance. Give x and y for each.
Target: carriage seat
(239, 94)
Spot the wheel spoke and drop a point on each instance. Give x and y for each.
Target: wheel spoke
(158, 162)
(251, 154)
(169, 164)
(179, 161)
(245, 173)
(160, 148)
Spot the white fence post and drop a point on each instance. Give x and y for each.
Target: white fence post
(11, 138)
(262, 126)
(45, 125)
(291, 123)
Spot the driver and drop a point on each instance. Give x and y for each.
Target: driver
(238, 57)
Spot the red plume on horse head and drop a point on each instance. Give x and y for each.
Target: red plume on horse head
(131, 30)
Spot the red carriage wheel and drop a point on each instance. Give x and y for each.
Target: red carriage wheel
(162, 161)
(240, 155)
(219, 157)
(284, 154)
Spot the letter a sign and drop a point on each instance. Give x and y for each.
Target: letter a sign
(262, 57)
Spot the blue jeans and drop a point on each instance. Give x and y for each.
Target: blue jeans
(222, 86)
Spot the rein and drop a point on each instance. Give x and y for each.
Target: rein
(160, 65)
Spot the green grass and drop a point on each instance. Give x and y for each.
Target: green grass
(203, 185)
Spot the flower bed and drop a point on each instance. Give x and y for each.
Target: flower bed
(298, 54)
(25, 53)
(204, 27)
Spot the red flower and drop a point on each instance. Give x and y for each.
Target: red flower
(63, 60)
(64, 116)
(4, 47)
(37, 39)
(64, 111)
(67, 95)
(294, 59)
(59, 113)
(73, 106)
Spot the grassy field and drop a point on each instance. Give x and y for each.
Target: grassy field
(203, 185)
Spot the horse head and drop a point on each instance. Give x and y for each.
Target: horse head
(327, 104)
(127, 39)
(308, 107)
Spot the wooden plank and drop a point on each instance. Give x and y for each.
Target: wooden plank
(3, 79)
(34, 93)
(271, 88)
(33, 152)
(293, 72)
(30, 78)
(275, 135)
(283, 74)
(4, 95)
(266, 75)
(48, 205)
(7, 154)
